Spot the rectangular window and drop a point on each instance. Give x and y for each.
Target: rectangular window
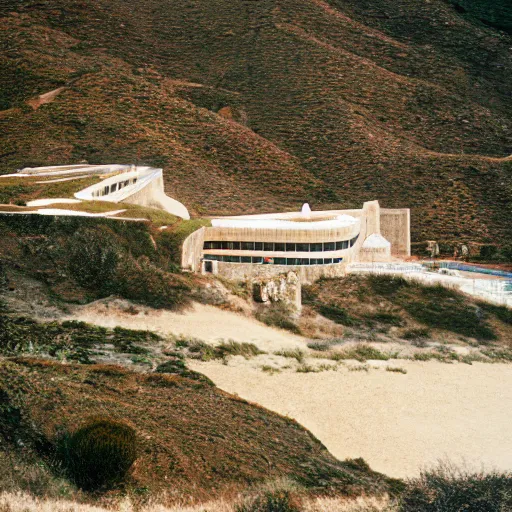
(316, 261)
(207, 246)
(339, 246)
(258, 246)
(216, 245)
(302, 247)
(211, 257)
(268, 246)
(279, 261)
(329, 246)
(337, 260)
(105, 191)
(247, 246)
(246, 259)
(304, 261)
(327, 261)
(257, 259)
(279, 247)
(290, 247)
(315, 247)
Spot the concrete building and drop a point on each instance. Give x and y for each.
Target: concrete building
(312, 244)
(132, 184)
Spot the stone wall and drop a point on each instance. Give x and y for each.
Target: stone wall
(284, 288)
(306, 274)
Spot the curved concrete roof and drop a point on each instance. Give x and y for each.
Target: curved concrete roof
(341, 221)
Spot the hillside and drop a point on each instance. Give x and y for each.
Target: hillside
(195, 441)
(256, 106)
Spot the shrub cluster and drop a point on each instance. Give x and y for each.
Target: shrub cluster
(278, 314)
(450, 489)
(99, 454)
(271, 501)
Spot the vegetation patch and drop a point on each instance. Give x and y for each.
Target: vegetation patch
(102, 257)
(295, 353)
(100, 453)
(278, 315)
(70, 340)
(448, 488)
(362, 353)
(396, 369)
(336, 314)
(198, 349)
(372, 301)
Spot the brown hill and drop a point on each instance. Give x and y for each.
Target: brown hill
(253, 106)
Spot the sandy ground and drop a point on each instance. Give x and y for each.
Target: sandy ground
(206, 323)
(397, 423)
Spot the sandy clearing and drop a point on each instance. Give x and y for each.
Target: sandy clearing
(206, 323)
(398, 423)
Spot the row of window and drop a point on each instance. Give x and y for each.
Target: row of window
(272, 261)
(281, 247)
(110, 189)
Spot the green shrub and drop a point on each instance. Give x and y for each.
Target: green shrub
(296, 353)
(278, 314)
(453, 315)
(362, 353)
(177, 366)
(415, 334)
(387, 284)
(234, 348)
(385, 318)
(396, 369)
(100, 453)
(498, 354)
(4, 282)
(336, 314)
(276, 501)
(488, 252)
(321, 346)
(502, 313)
(141, 281)
(93, 258)
(448, 489)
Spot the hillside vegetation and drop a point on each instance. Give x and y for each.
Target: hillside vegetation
(393, 308)
(82, 259)
(257, 106)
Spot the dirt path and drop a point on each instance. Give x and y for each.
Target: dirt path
(397, 423)
(206, 323)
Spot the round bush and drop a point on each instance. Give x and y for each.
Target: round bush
(100, 453)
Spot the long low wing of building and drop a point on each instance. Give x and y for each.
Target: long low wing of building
(132, 184)
(135, 185)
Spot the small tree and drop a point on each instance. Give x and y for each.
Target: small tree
(100, 453)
